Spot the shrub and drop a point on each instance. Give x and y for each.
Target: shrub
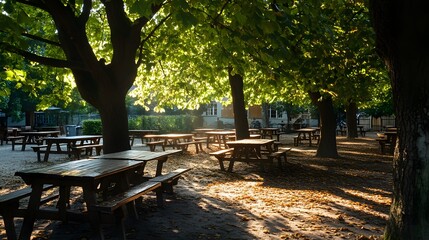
(172, 123)
(92, 127)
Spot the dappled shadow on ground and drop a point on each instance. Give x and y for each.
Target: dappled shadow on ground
(316, 198)
(311, 198)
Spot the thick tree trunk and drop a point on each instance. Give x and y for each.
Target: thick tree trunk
(240, 114)
(114, 119)
(351, 119)
(402, 36)
(328, 142)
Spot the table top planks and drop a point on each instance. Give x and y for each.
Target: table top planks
(79, 169)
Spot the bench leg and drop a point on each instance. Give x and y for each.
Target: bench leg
(77, 154)
(231, 166)
(159, 197)
(295, 141)
(198, 147)
(98, 150)
(9, 225)
(38, 156)
(382, 148)
(222, 167)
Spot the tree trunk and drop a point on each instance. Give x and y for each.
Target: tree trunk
(114, 119)
(351, 119)
(240, 114)
(402, 35)
(328, 142)
(265, 115)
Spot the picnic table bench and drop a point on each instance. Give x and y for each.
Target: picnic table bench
(175, 140)
(152, 145)
(10, 207)
(387, 140)
(113, 205)
(198, 145)
(74, 145)
(307, 134)
(250, 150)
(87, 148)
(15, 140)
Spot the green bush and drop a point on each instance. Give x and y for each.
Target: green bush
(166, 124)
(92, 127)
(135, 123)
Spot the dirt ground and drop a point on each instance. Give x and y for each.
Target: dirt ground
(311, 198)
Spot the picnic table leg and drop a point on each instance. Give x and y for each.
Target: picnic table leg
(132, 140)
(159, 166)
(9, 224)
(24, 142)
(90, 198)
(64, 202)
(220, 159)
(231, 165)
(48, 149)
(33, 208)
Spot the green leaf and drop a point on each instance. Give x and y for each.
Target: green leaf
(186, 18)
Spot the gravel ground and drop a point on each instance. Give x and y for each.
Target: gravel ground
(313, 198)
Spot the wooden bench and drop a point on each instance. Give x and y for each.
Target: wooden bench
(15, 140)
(113, 205)
(77, 150)
(38, 150)
(170, 179)
(198, 145)
(316, 137)
(152, 145)
(296, 141)
(10, 207)
(281, 152)
(221, 156)
(383, 142)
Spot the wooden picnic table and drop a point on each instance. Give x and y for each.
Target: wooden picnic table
(139, 155)
(389, 139)
(202, 131)
(88, 174)
(33, 137)
(306, 134)
(140, 133)
(270, 133)
(172, 139)
(219, 137)
(249, 150)
(69, 141)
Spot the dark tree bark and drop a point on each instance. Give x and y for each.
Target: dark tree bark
(102, 84)
(265, 115)
(402, 33)
(351, 120)
(239, 107)
(328, 141)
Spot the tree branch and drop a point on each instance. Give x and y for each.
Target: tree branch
(149, 36)
(40, 39)
(53, 62)
(87, 6)
(221, 10)
(34, 3)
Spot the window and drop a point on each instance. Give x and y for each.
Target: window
(212, 109)
(275, 114)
